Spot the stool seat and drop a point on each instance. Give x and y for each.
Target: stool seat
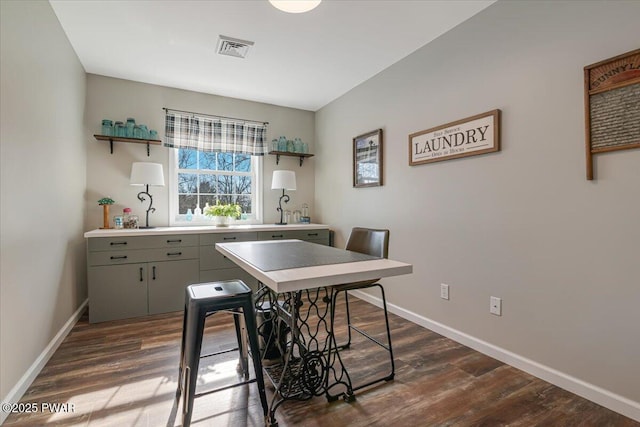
(201, 301)
(212, 292)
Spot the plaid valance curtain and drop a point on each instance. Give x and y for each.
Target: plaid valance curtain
(217, 134)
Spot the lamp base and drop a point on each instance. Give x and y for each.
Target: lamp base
(146, 228)
(281, 223)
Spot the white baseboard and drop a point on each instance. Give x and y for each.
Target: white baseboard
(606, 398)
(15, 394)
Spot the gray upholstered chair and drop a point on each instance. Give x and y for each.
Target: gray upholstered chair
(371, 242)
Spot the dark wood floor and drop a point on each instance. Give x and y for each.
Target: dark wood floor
(123, 373)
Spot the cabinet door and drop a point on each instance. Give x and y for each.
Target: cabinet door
(235, 273)
(167, 281)
(117, 291)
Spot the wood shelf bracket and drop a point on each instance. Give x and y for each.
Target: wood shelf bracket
(302, 156)
(147, 142)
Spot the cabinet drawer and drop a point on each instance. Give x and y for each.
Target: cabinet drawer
(294, 234)
(211, 258)
(142, 255)
(213, 238)
(141, 242)
(229, 274)
(311, 235)
(320, 242)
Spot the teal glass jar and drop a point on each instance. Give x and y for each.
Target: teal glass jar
(144, 131)
(282, 143)
(107, 127)
(131, 124)
(137, 132)
(119, 130)
(153, 134)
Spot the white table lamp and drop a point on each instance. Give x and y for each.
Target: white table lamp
(283, 180)
(147, 174)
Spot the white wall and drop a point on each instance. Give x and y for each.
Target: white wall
(108, 174)
(522, 224)
(43, 179)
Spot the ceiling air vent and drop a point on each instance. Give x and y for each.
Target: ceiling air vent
(233, 47)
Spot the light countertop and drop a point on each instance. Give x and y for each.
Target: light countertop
(112, 232)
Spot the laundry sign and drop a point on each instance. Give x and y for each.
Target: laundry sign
(467, 137)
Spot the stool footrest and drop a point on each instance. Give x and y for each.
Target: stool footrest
(219, 352)
(366, 335)
(204, 393)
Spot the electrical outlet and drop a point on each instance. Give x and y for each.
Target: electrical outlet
(444, 291)
(495, 306)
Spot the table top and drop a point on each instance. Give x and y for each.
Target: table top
(292, 265)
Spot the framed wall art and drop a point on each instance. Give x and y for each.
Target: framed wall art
(367, 159)
(474, 135)
(612, 105)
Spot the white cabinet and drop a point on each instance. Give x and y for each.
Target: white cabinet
(131, 276)
(140, 275)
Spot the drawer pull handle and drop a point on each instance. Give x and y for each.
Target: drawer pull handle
(141, 271)
(230, 238)
(153, 269)
(175, 241)
(119, 257)
(117, 243)
(277, 236)
(312, 234)
(174, 253)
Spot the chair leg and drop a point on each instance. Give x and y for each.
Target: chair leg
(348, 313)
(386, 320)
(388, 347)
(346, 300)
(250, 321)
(241, 333)
(181, 365)
(193, 347)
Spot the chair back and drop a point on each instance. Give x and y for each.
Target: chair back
(369, 241)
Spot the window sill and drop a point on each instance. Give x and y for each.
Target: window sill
(181, 221)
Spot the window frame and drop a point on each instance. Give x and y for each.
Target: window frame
(176, 219)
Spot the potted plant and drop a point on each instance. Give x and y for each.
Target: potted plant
(222, 213)
(105, 202)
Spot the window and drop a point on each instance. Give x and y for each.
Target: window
(199, 178)
(214, 159)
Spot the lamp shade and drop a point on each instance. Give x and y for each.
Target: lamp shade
(143, 173)
(283, 180)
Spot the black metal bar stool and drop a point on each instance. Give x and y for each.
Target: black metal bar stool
(201, 301)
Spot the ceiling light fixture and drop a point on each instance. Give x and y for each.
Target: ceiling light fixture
(295, 6)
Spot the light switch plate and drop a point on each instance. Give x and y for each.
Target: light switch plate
(444, 291)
